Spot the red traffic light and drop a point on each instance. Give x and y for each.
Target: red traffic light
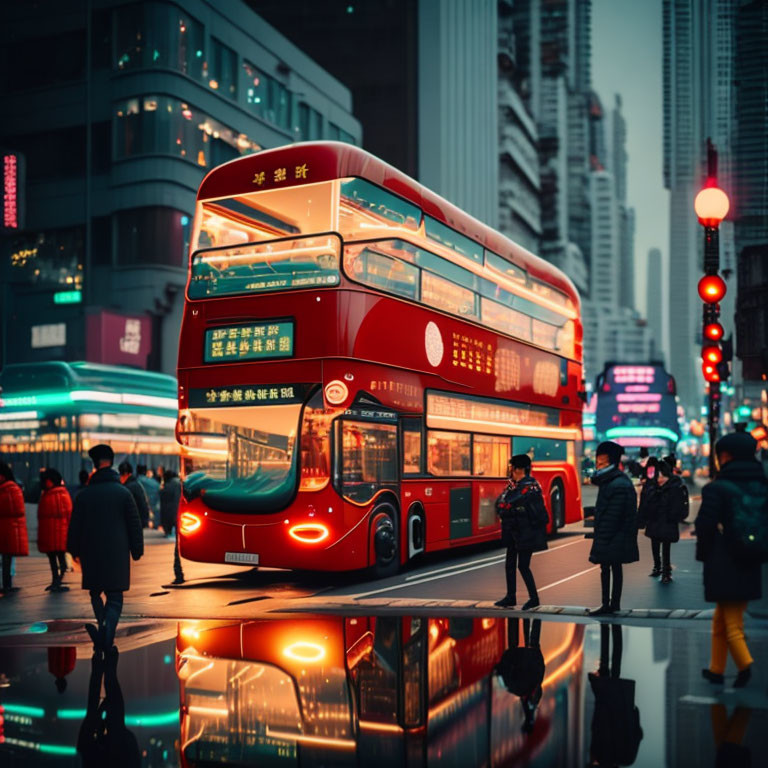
(711, 288)
(709, 370)
(711, 354)
(713, 331)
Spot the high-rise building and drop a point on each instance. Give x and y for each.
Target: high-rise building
(698, 104)
(122, 112)
(519, 180)
(604, 269)
(654, 309)
(751, 199)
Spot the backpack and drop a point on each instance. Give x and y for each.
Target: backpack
(748, 529)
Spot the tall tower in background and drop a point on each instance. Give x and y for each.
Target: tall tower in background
(654, 281)
(698, 103)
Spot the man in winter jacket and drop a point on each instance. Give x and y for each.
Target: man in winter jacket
(128, 479)
(730, 579)
(151, 488)
(523, 528)
(105, 532)
(13, 525)
(661, 513)
(170, 497)
(615, 532)
(53, 513)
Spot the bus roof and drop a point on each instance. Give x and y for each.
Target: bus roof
(65, 377)
(313, 162)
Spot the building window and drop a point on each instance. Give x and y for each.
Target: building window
(159, 35)
(267, 97)
(222, 73)
(152, 236)
(50, 258)
(310, 123)
(339, 134)
(160, 125)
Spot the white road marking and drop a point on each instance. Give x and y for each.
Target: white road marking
(456, 570)
(567, 578)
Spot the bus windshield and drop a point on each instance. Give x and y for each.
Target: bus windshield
(278, 265)
(241, 459)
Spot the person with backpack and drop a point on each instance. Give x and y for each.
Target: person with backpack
(523, 528)
(732, 542)
(660, 513)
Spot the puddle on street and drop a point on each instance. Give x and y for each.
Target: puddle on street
(386, 691)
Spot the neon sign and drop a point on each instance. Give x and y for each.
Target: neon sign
(12, 175)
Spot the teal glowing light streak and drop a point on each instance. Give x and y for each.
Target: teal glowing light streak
(663, 432)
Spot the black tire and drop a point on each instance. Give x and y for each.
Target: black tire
(557, 505)
(386, 541)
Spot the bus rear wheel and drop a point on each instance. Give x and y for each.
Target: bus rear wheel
(557, 505)
(386, 548)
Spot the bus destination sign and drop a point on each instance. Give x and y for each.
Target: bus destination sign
(254, 341)
(249, 394)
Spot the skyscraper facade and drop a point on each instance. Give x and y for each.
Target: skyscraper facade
(654, 308)
(697, 74)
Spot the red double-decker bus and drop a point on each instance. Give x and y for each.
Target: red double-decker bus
(358, 360)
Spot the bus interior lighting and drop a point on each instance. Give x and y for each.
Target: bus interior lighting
(309, 533)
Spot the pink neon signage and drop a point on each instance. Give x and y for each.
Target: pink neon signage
(10, 192)
(638, 398)
(639, 407)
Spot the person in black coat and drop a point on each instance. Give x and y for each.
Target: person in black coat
(730, 580)
(661, 514)
(130, 481)
(104, 532)
(523, 528)
(615, 531)
(170, 496)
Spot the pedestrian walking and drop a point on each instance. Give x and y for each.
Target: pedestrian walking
(523, 528)
(61, 661)
(54, 511)
(151, 488)
(170, 497)
(82, 481)
(13, 526)
(104, 532)
(128, 479)
(731, 539)
(615, 531)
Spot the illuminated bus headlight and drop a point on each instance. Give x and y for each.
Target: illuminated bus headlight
(189, 523)
(305, 652)
(309, 533)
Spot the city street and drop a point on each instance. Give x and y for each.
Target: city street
(564, 576)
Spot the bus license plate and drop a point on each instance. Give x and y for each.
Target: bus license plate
(241, 557)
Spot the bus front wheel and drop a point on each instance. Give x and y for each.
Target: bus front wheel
(386, 549)
(557, 505)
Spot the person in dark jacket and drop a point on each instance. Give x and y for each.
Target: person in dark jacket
(170, 497)
(53, 513)
(661, 514)
(104, 533)
(522, 667)
(730, 581)
(128, 479)
(523, 528)
(151, 488)
(615, 531)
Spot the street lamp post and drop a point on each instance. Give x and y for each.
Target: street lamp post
(711, 206)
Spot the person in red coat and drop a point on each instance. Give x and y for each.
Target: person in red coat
(13, 525)
(53, 513)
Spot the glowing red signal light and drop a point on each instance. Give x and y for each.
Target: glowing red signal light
(711, 288)
(712, 355)
(713, 331)
(710, 372)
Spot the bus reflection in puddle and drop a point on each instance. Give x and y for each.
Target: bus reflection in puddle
(394, 690)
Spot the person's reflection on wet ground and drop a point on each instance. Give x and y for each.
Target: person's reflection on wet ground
(616, 731)
(61, 661)
(522, 667)
(729, 734)
(103, 739)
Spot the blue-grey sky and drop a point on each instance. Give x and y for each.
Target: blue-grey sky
(627, 59)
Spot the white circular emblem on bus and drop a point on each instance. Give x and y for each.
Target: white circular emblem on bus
(433, 343)
(336, 392)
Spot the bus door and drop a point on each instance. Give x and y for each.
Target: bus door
(365, 440)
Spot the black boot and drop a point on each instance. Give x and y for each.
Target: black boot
(533, 602)
(603, 610)
(506, 602)
(743, 677)
(656, 572)
(712, 677)
(666, 577)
